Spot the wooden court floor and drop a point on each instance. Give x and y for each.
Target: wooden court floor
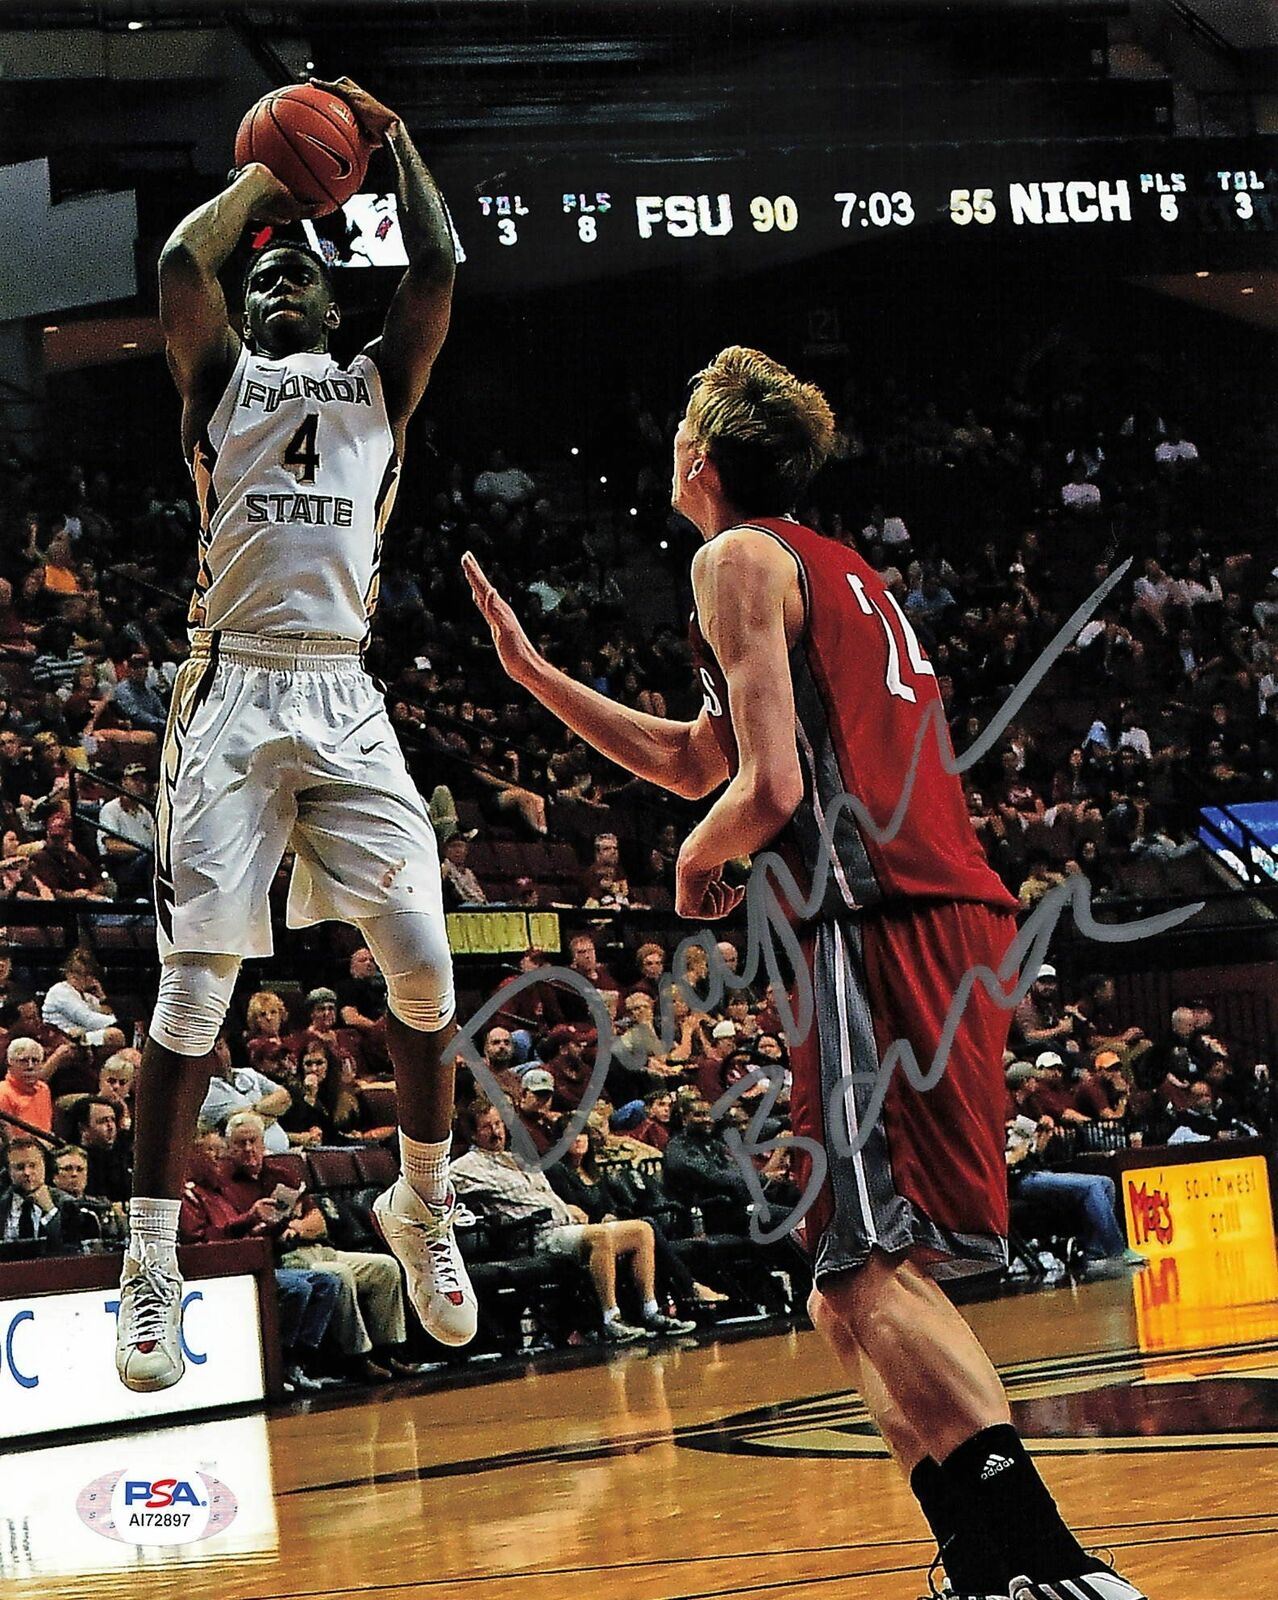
(740, 1468)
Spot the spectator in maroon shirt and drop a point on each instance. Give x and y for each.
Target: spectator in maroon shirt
(61, 867)
(321, 1022)
(1053, 1097)
(767, 1016)
(652, 963)
(570, 1064)
(1103, 1094)
(265, 1202)
(585, 963)
(738, 1011)
(691, 1031)
(533, 1009)
(655, 1128)
(709, 1068)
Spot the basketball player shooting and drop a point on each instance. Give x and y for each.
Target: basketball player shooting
(277, 738)
(815, 686)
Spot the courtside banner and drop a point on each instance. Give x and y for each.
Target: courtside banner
(57, 1358)
(1178, 1208)
(61, 1508)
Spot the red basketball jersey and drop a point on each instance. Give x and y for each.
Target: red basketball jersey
(863, 694)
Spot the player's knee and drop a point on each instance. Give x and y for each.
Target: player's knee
(426, 1012)
(411, 948)
(194, 995)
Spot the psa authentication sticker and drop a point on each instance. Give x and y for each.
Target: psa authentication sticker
(157, 1502)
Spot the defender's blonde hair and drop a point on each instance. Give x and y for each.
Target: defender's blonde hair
(767, 432)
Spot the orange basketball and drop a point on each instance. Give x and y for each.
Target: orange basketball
(310, 140)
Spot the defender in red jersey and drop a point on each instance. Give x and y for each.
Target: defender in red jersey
(871, 741)
(822, 727)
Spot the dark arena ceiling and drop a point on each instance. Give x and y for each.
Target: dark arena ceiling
(639, 76)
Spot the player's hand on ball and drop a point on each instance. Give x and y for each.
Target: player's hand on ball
(514, 648)
(376, 121)
(273, 201)
(701, 895)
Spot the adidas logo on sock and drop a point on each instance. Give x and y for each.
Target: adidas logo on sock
(993, 1466)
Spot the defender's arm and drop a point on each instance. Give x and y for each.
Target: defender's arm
(683, 757)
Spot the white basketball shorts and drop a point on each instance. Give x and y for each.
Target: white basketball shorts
(278, 743)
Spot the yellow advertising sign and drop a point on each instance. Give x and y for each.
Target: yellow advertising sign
(1176, 1208)
(1207, 1228)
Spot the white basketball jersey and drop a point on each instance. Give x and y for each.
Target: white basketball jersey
(296, 475)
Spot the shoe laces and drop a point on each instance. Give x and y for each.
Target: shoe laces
(936, 1590)
(443, 1266)
(153, 1290)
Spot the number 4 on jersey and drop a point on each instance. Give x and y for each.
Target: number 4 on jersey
(301, 450)
(896, 684)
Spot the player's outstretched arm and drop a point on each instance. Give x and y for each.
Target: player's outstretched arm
(199, 340)
(417, 320)
(680, 756)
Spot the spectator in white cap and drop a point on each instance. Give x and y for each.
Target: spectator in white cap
(709, 1068)
(1053, 1096)
(1041, 1021)
(537, 1091)
(126, 831)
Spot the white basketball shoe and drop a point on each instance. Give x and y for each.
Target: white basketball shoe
(148, 1330)
(424, 1240)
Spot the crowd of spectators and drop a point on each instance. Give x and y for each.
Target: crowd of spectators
(1167, 695)
(669, 1152)
(988, 522)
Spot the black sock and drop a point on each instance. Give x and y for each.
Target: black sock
(995, 1487)
(927, 1483)
(959, 1546)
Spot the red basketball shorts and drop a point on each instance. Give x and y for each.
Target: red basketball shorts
(928, 1174)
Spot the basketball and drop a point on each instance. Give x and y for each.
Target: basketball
(310, 140)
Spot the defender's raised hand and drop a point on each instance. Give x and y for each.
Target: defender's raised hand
(514, 648)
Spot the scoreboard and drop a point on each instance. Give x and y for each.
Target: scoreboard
(1162, 205)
